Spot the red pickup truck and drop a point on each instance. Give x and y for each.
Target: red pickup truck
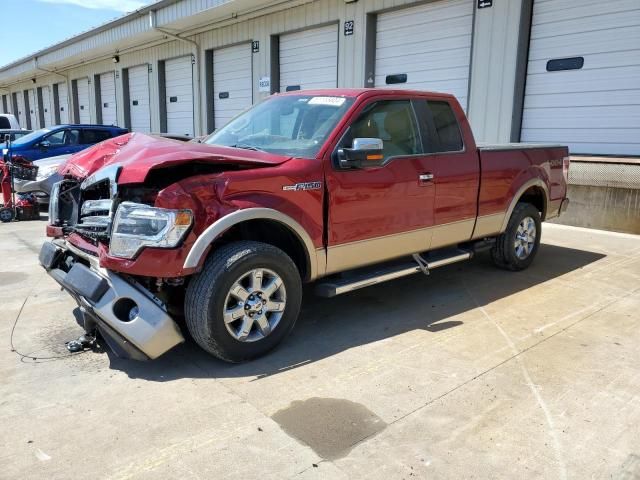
(345, 188)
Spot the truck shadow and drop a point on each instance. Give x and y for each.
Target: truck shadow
(329, 326)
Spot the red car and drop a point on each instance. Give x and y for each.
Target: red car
(344, 188)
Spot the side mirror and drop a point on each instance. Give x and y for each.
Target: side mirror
(365, 153)
(45, 144)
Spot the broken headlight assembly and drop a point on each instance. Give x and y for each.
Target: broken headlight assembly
(137, 226)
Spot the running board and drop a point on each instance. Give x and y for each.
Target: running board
(331, 287)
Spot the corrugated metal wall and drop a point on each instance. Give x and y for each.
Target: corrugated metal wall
(491, 79)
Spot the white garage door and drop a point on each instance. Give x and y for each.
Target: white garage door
(63, 102)
(108, 98)
(139, 99)
(427, 47)
(83, 100)
(309, 59)
(46, 107)
(583, 76)
(232, 82)
(33, 109)
(22, 117)
(179, 91)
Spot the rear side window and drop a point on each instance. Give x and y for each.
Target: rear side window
(4, 122)
(95, 136)
(446, 126)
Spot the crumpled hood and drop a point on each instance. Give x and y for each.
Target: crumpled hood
(138, 154)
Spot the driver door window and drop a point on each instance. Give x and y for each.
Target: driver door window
(55, 139)
(394, 123)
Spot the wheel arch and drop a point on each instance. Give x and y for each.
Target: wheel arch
(286, 234)
(534, 191)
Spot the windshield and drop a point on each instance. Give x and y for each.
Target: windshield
(292, 125)
(31, 136)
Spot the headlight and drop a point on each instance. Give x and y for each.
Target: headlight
(46, 172)
(137, 226)
(53, 204)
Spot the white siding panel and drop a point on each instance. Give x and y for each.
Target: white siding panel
(596, 109)
(429, 43)
(108, 99)
(63, 102)
(232, 76)
(139, 99)
(309, 59)
(179, 95)
(83, 100)
(47, 108)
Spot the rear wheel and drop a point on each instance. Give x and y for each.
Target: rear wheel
(244, 302)
(6, 215)
(516, 248)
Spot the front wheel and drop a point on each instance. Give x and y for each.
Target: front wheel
(516, 248)
(244, 302)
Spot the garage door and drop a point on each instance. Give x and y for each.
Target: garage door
(108, 98)
(427, 47)
(46, 107)
(139, 99)
(19, 101)
(63, 103)
(83, 100)
(179, 92)
(33, 109)
(309, 59)
(583, 76)
(232, 82)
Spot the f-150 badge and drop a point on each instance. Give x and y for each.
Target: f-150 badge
(303, 186)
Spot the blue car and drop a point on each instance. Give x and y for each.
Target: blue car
(61, 139)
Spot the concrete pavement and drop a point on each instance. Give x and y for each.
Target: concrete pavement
(472, 372)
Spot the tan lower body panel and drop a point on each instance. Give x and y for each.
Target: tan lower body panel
(553, 209)
(488, 225)
(375, 250)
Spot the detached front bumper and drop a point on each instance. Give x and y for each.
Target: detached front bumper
(131, 319)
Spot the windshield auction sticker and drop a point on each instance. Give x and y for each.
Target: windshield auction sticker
(332, 101)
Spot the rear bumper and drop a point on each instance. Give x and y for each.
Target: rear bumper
(134, 323)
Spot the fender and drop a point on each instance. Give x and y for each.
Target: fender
(220, 226)
(534, 182)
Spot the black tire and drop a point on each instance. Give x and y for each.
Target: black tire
(503, 252)
(6, 215)
(207, 292)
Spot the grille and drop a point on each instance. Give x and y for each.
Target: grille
(95, 218)
(97, 197)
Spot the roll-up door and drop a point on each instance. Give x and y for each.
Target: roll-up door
(63, 103)
(83, 100)
(232, 82)
(33, 109)
(179, 95)
(46, 107)
(139, 99)
(427, 47)
(309, 59)
(108, 98)
(22, 116)
(18, 100)
(583, 76)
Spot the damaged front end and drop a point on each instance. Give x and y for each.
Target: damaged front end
(134, 322)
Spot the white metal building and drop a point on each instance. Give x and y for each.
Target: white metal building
(560, 71)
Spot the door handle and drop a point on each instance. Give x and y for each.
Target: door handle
(426, 177)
